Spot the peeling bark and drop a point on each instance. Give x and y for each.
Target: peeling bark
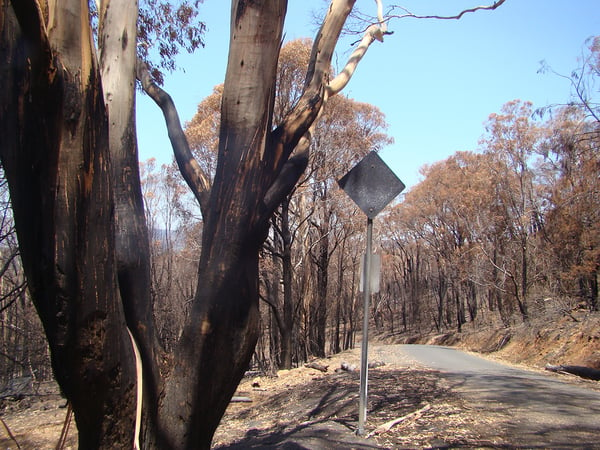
(55, 155)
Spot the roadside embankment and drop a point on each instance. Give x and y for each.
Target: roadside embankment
(571, 338)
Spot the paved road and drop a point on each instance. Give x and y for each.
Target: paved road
(541, 411)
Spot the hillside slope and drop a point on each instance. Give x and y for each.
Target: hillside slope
(570, 338)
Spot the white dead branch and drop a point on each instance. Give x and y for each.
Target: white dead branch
(392, 423)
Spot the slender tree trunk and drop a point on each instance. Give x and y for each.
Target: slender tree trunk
(318, 310)
(441, 296)
(288, 299)
(472, 300)
(272, 281)
(522, 298)
(460, 313)
(594, 292)
(319, 306)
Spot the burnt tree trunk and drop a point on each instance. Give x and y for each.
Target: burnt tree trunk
(224, 315)
(318, 308)
(117, 34)
(54, 149)
(288, 299)
(581, 371)
(78, 215)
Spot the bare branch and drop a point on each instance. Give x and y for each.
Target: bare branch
(190, 169)
(299, 120)
(12, 295)
(294, 134)
(275, 310)
(342, 79)
(454, 17)
(316, 92)
(374, 32)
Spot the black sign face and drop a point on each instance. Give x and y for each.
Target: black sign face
(371, 184)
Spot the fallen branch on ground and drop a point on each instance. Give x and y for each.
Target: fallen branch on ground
(317, 366)
(388, 425)
(62, 441)
(580, 371)
(10, 435)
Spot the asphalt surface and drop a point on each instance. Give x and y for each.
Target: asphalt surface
(541, 410)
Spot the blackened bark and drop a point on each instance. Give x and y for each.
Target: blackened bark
(318, 309)
(218, 341)
(288, 299)
(581, 371)
(54, 151)
(336, 343)
(214, 351)
(117, 34)
(191, 171)
(87, 285)
(522, 297)
(593, 298)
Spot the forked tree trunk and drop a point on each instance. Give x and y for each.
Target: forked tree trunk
(88, 286)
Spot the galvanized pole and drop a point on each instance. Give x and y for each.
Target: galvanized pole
(364, 367)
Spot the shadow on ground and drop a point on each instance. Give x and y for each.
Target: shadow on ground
(323, 414)
(534, 411)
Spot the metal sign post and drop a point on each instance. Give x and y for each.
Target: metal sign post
(364, 352)
(372, 185)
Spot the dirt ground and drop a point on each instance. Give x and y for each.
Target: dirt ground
(300, 408)
(307, 408)
(35, 420)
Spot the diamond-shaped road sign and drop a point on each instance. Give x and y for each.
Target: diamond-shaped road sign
(371, 184)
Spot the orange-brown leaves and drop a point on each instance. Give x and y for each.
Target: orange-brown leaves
(203, 131)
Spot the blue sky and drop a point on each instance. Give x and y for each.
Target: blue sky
(436, 81)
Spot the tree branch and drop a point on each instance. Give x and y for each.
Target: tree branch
(193, 174)
(294, 134)
(372, 33)
(287, 136)
(276, 313)
(376, 31)
(454, 17)
(317, 91)
(12, 295)
(389, 425)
